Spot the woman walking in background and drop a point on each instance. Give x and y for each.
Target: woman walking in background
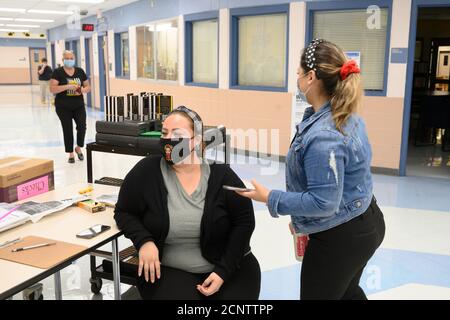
(69, 83)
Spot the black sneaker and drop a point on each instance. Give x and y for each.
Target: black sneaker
(71, 160)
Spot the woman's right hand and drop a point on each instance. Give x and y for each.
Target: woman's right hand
(149, 261)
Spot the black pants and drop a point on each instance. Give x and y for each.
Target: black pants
(335, 259)
(176, 284)
(66, 116)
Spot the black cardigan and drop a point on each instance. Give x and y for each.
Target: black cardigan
(226, 227)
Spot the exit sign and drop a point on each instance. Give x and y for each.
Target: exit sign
(87, 27)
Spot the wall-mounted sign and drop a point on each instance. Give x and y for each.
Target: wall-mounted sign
(354, 55)
(399, 55)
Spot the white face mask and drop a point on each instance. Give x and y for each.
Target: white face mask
(300, 93)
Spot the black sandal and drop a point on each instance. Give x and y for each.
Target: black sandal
(71, 160)
(80, 155)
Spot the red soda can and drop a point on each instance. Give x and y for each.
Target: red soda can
(300, 243)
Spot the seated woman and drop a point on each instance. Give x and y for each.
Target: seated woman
(191, 234)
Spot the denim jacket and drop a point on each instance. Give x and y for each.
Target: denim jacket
(328, 179)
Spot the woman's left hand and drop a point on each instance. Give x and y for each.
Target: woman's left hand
(260, 193)
(211, 285)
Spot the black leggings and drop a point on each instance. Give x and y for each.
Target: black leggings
(66, 116)
(335, 259)
(176, 284)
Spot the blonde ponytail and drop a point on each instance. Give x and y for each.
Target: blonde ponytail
(346, 99)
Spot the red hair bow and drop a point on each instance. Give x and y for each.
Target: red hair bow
(347, 68)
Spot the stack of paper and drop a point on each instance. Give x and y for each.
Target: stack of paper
(108, 199)
(13, 215)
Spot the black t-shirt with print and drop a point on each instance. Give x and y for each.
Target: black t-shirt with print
(69, 99)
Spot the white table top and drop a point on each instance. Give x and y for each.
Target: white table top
(61, 226)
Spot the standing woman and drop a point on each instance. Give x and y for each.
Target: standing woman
(69, 83)
(45, 74)
(328, 180)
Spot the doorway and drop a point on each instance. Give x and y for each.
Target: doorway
(428, 139)
(36, 55)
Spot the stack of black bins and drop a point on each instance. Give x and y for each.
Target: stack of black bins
(127, 134)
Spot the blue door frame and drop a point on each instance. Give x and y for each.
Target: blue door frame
(102, 73)
(52, 48)
(416, 4)
(87, 59)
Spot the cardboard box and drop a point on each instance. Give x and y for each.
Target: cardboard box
(21, 178)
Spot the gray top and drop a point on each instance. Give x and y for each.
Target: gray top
(182, 246)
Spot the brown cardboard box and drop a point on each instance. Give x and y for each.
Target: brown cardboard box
(21, 178)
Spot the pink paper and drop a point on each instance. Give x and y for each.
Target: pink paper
(32, 188)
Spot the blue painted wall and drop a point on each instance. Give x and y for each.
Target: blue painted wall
(138, 12)
(34, 43)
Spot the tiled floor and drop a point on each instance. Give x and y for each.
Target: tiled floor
(428, 161)
(412, 263)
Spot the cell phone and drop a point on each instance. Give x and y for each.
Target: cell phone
(93, 231)
(238, 189)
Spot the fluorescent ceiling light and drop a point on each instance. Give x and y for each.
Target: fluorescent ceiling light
(23, 25)
(14, 30)
(6, 19)
(30, 20)
(80, 1)
(50, 11)
(13, 10)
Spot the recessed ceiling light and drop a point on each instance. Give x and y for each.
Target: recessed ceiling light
(14, 30)
(23, 25)
(31, 20)
(50, 11)
(13, 10)
(6, 19)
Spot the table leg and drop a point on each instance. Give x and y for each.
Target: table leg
(116, 268)
(89, 163)
(58, 289)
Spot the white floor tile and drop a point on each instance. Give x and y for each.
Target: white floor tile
(413, 291)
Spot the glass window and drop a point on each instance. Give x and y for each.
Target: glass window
(167, 50)
(262, 50)
(124, 54)
(157, 51)
(205, 51)
(336, 26)
(145, 53)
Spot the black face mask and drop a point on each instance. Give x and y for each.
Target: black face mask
(175, 150)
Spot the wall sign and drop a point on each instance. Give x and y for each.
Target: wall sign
(399, 55)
